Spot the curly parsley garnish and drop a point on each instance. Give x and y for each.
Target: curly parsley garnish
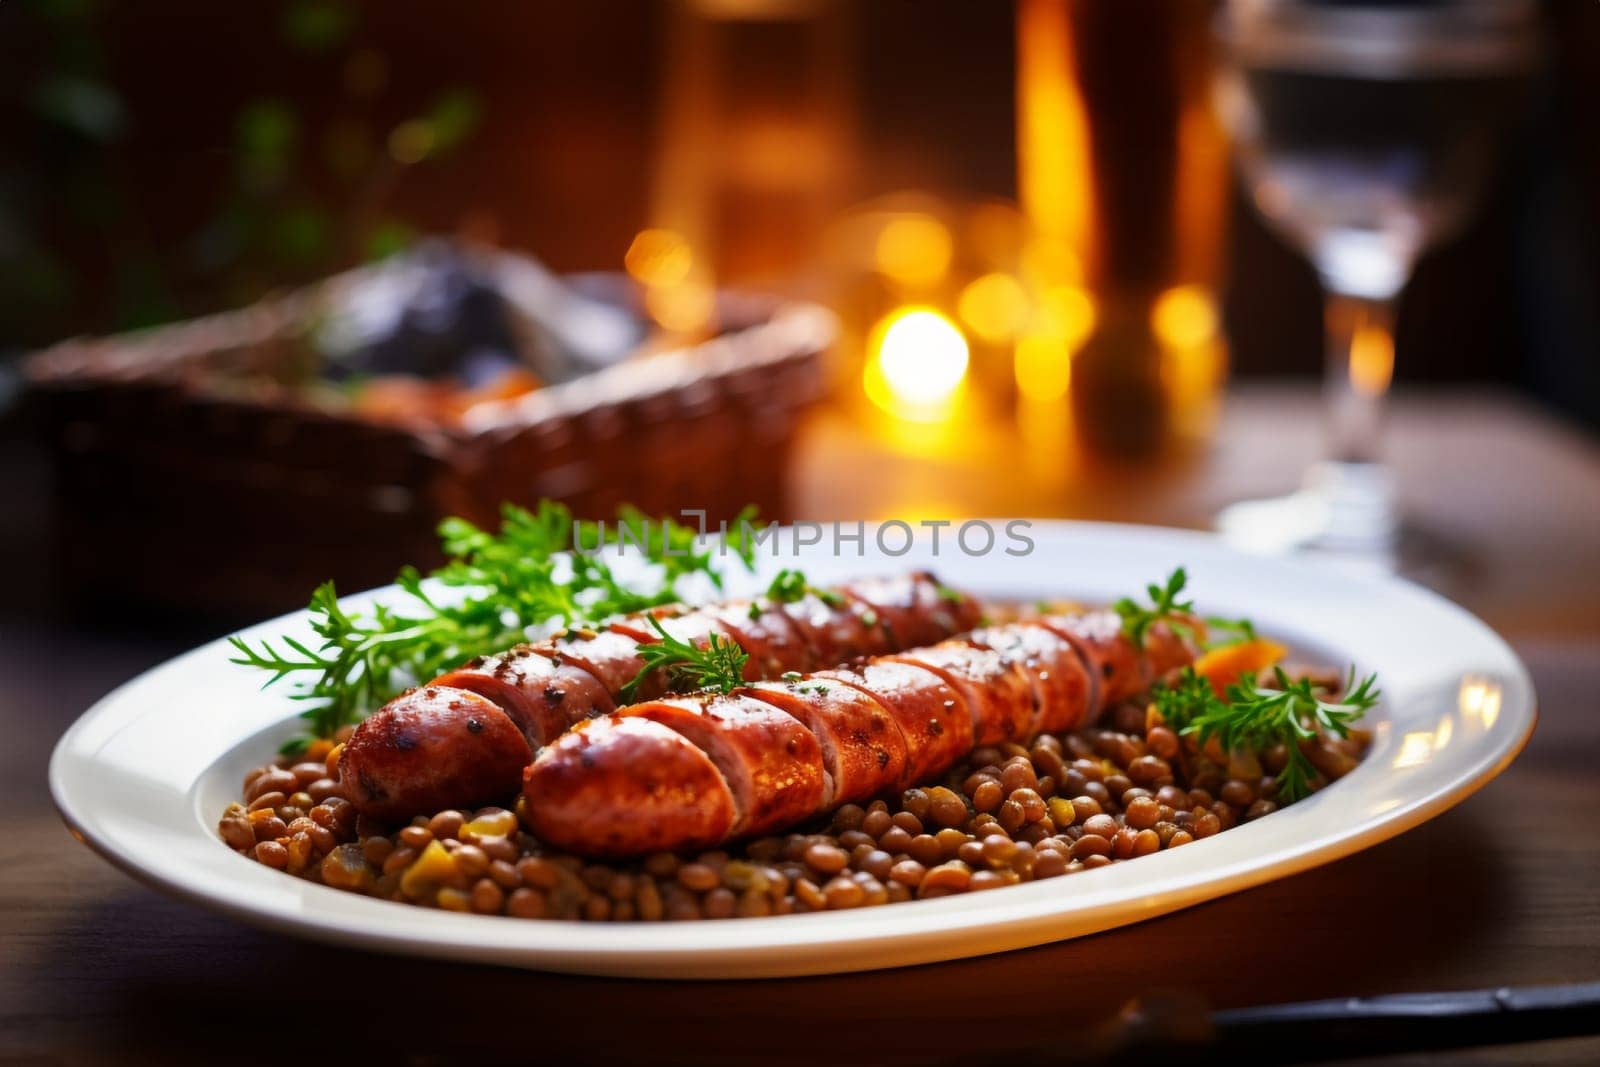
(517, 579)
(1255, 717)
(718, 664)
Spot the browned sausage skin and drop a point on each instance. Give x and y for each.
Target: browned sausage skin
(770, 761)
(944, 699)
(863, 750)
(669, 788)
(998, 695)
(1118, 668)
(1062, 688)
(914, 608)
(544, 693)
(933, 719)
(440, 748)
(548, 687)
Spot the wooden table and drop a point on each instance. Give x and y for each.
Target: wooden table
(1505, 889)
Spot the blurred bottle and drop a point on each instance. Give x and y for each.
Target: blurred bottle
(757, 144)
(1123, 174)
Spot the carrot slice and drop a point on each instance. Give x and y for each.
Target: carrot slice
(1224, 666)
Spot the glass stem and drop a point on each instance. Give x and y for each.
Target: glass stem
(1360, 340)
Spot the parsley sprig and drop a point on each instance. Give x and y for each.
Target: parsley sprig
(718, 665)
(522, 577)
(1164, 606)
(1179, 615)
(1255, 717)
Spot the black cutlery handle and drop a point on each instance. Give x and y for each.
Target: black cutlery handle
(1167, 1025)
(1322, 1029)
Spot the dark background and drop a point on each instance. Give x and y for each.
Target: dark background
(165, 159)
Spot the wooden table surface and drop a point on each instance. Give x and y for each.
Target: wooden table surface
(1503, 890)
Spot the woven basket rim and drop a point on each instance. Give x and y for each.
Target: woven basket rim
(789, 330)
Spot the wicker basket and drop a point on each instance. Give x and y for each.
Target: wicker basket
(171, 493)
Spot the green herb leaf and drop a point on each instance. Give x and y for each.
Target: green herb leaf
(512, 581)
(1256, 718)
(790, 585)
(1221, 632)
(1164, 606)
(718, 665)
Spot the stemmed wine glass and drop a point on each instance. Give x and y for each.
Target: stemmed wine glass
(1364, 131)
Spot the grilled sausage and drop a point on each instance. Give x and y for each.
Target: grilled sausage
(835, 631)
(998, 695)
(545, 695)
(668, 787)
(945, 699)
(863, 750)
(1113, 661)
(771, 762)
(933, 719)
(440, 748)
(1062, 688)
(548, 687)
(914, 610)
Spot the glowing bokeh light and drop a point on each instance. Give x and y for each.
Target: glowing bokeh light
(1046, 263)
(687, 307)
(1043, 366)
(914, 250)
(1067, 312)
(917, 360)
(658, 257)
(1371, 359)
(995, 306)
(1184, 317)
(1054, 174)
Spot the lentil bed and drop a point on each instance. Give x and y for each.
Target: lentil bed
(1009, 814)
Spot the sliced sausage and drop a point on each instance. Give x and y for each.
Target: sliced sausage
(839, 631)
(931, 715)
(997, 694)
(790, 750)
(863, 749)
(771, 762)
(545, 693)
(611, 655)
(767, 635)
(430, 749)
(549, 686)
(618, 786)
(1061, 684)
(915, 608)
(1121, 671)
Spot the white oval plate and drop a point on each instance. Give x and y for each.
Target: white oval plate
(144, 774)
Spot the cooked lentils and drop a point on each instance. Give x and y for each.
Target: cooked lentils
(1008, 814)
